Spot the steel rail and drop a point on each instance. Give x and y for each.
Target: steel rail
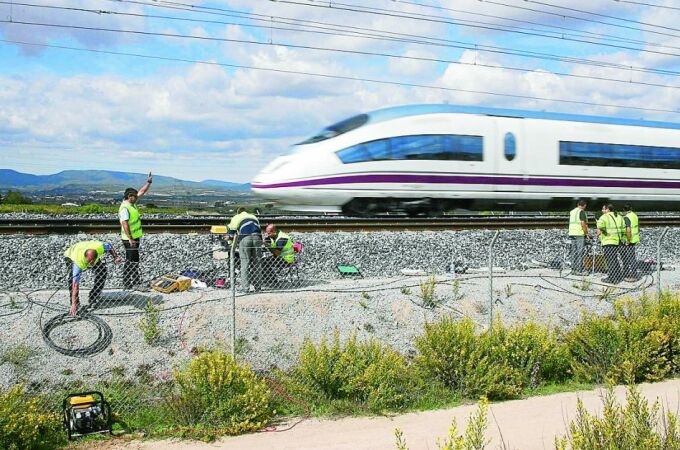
(202, 225)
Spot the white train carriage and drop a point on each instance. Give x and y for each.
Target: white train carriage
(431, 158)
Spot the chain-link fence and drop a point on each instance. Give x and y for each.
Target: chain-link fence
(260, 297)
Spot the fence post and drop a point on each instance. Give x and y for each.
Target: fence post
(493, 241)
(232, 281)
(658, 260)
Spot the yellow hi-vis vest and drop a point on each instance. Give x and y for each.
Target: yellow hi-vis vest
(134, 221)
(287, 252)
(622, 228)
(575, 228)
(634, 228)
(609, 226)
(76, 252)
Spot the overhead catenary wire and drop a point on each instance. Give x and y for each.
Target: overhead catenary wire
(349, 51)
(343, 77)
(545, 25)
(442, 20)
(651, 5)
(400, 37)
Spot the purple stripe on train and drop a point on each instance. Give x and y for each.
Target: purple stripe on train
(459, 179)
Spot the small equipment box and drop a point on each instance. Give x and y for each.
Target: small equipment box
(86, 413)
(171, 283)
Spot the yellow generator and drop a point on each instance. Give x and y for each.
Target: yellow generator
(86, 413)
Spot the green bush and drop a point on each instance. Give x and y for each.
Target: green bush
(533, 350)
(635, 427)
(639, 342)
(215, 393)
(367, 373)
(25, 424)
(498, 364)
(91, 208)
(473, 439)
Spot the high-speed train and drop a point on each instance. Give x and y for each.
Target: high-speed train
(434, 158)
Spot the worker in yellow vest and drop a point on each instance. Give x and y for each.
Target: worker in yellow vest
(631, 239)
(281, 247)
(131, 232)
(608, 231)
(578, 233)
(83, 256)
(244, 227)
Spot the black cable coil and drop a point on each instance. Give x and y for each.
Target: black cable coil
(104, 334)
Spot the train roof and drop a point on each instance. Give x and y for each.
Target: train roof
(396, 112)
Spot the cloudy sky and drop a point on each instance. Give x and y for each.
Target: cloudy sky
(214, 89)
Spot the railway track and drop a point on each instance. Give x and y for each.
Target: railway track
(203, 224)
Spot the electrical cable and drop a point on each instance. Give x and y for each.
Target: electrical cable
(433, 19)
(651, 5)
(346, 78)
(404, 37)
(352, 52)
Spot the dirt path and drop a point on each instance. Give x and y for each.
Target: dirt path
(525, 424)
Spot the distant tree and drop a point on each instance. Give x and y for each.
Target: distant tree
(16, 198)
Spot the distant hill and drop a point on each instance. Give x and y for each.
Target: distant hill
(88, 180)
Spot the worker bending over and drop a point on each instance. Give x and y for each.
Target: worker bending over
(249, 247)
(83, 256)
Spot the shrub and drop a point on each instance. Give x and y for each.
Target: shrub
(368, 373)
(473, 439)
(532, 349)
(637, 343)
(24, 424)
(149, 324)
(497, 363)
(635, 427)
(214, 392)
(91, 208)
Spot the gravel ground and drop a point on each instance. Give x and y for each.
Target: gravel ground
(272, 324)
(37, 261)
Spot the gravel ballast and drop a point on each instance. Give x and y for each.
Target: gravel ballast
(271, 325)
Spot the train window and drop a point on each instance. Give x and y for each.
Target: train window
(618, 155)
(418, 147)
(510, 147)
(337, 129)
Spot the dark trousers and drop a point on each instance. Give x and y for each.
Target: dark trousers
(611, 255)
(250, 252)
(629, 261)
(578, 251)
(100, 273)
(131, 268)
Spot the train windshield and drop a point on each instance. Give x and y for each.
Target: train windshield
(337, 129)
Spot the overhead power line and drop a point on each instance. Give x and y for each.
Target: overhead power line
(338, 50)
(346, 78)
(440, 19)
(606, 16)
(371, 33)
(651, 5)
